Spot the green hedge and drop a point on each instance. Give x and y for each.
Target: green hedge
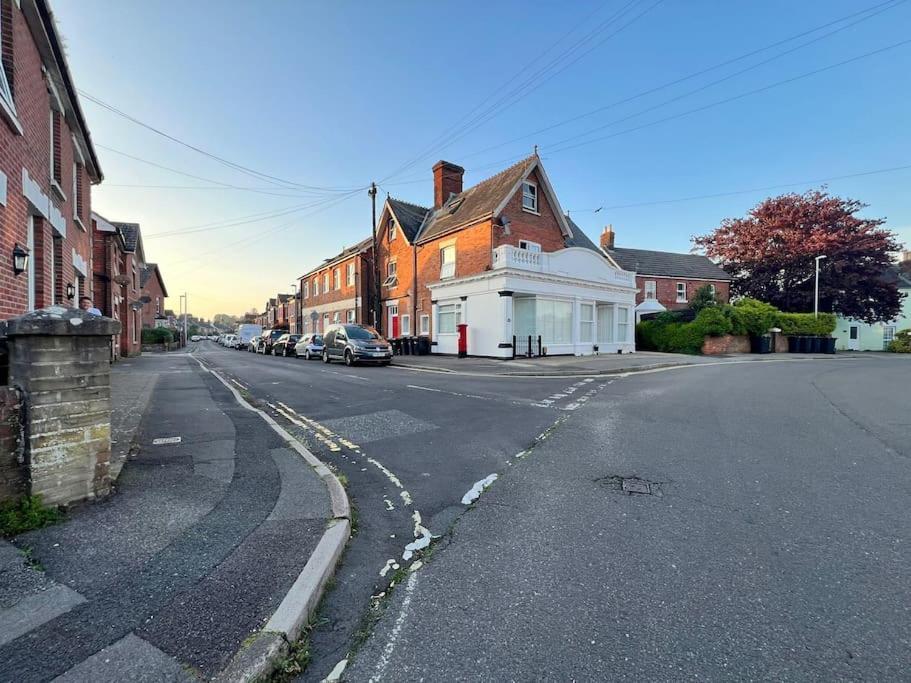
(901, 343)
(806, 324)
(157, 335)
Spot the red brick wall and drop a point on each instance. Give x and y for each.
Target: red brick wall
(156, 306)
(713, 346)
(666, 288)
(543, 229)
(31, 151)
(130, 321)
(363, 275)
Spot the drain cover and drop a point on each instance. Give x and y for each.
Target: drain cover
(636, 486)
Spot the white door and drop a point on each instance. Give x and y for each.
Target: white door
(854, 338)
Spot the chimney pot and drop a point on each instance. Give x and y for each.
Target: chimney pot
(447, 181)
(607, 238)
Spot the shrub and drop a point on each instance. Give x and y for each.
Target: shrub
(703, 298)
(672, 337)
(901, 343)
(806, 324)
(25, 514)
(756, 317)
(712, 321)
(157, 335)
(736, 320)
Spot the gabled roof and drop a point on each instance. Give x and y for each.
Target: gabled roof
(667, 264)
(487, 199)
(146, 274)
(898, 275)
(579, 238)
(284, 298)
(130, 232)
(409, 217)
(358, 248)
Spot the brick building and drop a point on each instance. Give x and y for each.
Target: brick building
(337, 291)
(669, 278)
(502, 258)
(154, 294)
(47, 165)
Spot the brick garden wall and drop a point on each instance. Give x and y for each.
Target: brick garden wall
(12, 471)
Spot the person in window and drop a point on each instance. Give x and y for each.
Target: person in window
(85, 303)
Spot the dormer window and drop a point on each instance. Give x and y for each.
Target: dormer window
(529, 196)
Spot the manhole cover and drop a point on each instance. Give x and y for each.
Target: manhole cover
(636, 486)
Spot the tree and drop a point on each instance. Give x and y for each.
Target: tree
(770, 255)
(703, 298)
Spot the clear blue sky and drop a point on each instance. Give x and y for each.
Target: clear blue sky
(336, 94)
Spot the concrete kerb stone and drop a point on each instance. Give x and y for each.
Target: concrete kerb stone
(258, 657)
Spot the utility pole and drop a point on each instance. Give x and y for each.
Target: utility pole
(377, 309)
(186, 305)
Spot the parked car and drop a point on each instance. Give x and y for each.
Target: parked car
(230, 341)
(213, 337)
(195, 338)
(309, 346)
(284, 345)
(354, 344)
(268, 339)
(245, 333)
(254, 344)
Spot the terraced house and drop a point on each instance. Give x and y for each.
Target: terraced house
(47, 165)
(502, 259)
(338, 290)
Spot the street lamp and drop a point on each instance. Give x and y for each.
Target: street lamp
(816, 289)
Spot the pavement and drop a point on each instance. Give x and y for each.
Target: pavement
(207, 538)
(583, 366)
(737, 521)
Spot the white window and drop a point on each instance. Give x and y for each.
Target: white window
(554, 321)
(712, 289)
(447, 261)
(349, 318)
(335, 317)
(605, 324)
(888, 336)
(449, 316)
(529, 246)
(587, 323)
(392, 230)
(530, 196)
(325, 321)
(307, 289)
(337, 278)
(391, 274)
(425, 324)
(622, 324)
(651, 289)
(349, 276)
(326, 282)
(406, 324)
(681, 292)
(315, 286)
(6, 95)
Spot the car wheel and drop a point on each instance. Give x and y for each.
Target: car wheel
(349, 358)
(307, 354)
(326, 357)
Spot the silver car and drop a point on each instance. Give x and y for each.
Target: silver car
(309, 346)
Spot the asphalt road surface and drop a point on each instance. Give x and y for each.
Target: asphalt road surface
(726, 521)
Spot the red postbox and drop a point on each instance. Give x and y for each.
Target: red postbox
(463, 340)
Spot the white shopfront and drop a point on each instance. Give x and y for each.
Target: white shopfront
(570, 302)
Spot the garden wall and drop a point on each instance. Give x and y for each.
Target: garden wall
(728, 343)
(13, 475)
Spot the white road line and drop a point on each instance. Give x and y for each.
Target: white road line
(383, 662)
(415, 386)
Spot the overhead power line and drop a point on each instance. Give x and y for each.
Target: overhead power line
(716, 195)
(232, 222)
(287, 184)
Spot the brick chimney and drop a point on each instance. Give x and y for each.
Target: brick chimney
(607, 238)
(447, 180)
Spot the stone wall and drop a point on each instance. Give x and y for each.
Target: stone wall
(59, 358)
(13, 477)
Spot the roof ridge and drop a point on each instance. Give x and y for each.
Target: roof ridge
(412, 204)
(500, 173)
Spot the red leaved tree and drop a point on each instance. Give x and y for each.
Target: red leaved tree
(770, 254)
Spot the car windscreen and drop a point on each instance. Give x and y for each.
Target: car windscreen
(357, 332)
(316, 339)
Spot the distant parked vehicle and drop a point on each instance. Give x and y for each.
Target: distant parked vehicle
(220, 339)
(355, 344)
(254, 343)
(245, 333)
(230, 341)
(268, 339)
(309, 346)
(213, 337)
(195, 338)
(284, 345)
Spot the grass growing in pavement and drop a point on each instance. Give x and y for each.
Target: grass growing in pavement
(25, 514)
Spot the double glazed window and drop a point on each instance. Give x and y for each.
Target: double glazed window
(349, 274)
(447, 261)
(449, 316)
(529, 246)
(587, 323)
(651, 289)
(337, 278)
(325, 283)
(6, 63)
(622, 324)
(530, 196)
(425, 324)
(406, 325)
(681, 292)
(391, 274)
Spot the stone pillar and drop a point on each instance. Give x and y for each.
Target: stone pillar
(59, 359)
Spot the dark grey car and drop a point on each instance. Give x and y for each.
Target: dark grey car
(355, 344)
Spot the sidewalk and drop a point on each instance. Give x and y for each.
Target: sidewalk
(177, 572)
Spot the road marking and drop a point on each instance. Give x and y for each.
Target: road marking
(396, 629)
(166, 440)
(415, 386)
(479, 487)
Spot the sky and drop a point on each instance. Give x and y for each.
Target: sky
(633, 104)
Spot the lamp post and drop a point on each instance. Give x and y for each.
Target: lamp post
(816, 289)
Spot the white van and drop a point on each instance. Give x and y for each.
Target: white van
(245, 333)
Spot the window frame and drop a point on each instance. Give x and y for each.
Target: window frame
(444, 310)
(349, 274)
(405, 324)
(316, 286)
(349, 317)
(444, 249)
(532, 196)
(392, 232)
(326, 288)
(587, 323)
(528, 244)
(653, 288)
(678, 298)
(306, 289)
(424, 325)
(337, 279)
(7, 99)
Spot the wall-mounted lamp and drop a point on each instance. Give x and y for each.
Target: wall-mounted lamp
(20, 260)
(70, 291)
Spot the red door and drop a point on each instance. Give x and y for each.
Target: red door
(395, 326)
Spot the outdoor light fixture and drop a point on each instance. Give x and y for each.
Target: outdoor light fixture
(70, 291)
(20, 260)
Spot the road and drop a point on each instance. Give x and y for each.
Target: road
(772, 542)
